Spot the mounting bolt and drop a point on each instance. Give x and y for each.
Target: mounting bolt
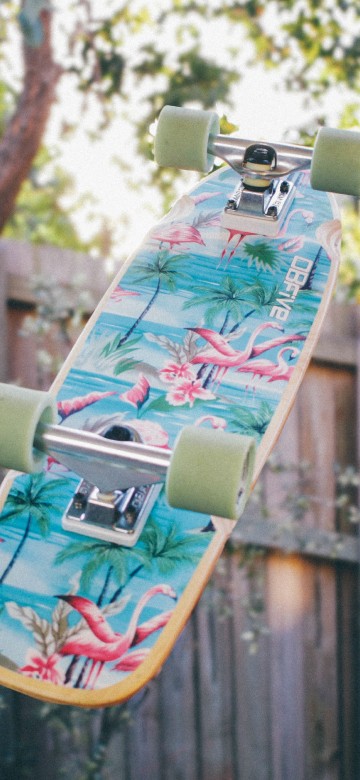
(284, 187)
(80, 501)
(231, 204)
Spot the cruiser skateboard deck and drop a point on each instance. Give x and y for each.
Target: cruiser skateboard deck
(208, 327)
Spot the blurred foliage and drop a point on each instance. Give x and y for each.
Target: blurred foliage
(39, 216)
(349, 276)
(315, 45)
(125, 54)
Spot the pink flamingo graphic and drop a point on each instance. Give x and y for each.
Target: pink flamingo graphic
(274, 371)
(295, 243)
(119, 293)
(215, 422)
(131, 661)
(329, 235)
(101, 643)
(239, 237)
(225, 357)
(184, 207)
(177, 234)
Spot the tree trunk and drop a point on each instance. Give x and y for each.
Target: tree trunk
(24, 132)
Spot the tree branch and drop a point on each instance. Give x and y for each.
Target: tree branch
(24, 132)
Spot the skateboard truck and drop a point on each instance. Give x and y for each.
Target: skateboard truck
(104, 506)
(207, 471)
(190, 139)
(265, 192)
(258, 205)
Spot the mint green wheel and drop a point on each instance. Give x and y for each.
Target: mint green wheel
(210, 472)
(335, 164)
(21, 411)
(182, 138)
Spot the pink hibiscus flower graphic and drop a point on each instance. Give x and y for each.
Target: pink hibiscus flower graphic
(43, 668)
(187, 393)
(175, 372)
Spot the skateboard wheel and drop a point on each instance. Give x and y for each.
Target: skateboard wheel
(210, 472)
(182, 138)
(21, 410)
(336, 161)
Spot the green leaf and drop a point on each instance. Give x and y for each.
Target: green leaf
(159, 404)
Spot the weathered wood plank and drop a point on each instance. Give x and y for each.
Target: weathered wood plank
(292, 537)
(348, 662)
(213, 655)
(22, 261)
(22, 352)
(337, 344)
(143, 743)
(251, 727)
(176, 713)
(286, 596)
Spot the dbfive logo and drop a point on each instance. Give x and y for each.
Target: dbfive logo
(295, 279)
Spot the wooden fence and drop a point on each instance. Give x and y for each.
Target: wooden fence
(263, 684)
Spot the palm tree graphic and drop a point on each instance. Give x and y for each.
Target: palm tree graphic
(32, 499)
(162, 269)
(235, 303)
(226, 297)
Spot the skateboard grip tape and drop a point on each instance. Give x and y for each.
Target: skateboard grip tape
(182, 138)
(21, 411)
(210, 472)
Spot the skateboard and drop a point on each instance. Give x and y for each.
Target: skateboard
(128, 477)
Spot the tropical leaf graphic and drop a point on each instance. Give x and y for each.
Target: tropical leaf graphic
(111, 347)
(182, 352)
(253, 423)
(172, 548)
(40, 628)
(262, 255)
(59, 626)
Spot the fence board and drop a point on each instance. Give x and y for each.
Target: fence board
(213, 657)
(285, 597)
(178, 745)
(251, 712)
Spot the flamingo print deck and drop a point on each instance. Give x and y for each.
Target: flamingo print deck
(204, 326)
